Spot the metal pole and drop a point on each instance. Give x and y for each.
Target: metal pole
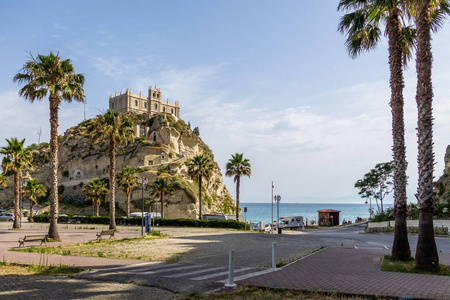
(278, 211)
(21, 203)
(274, 263)
(271, 219)
(231, 270)
(142, 223)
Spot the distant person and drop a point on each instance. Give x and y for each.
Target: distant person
(344, 222)
(303, 227)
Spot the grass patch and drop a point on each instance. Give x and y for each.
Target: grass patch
(143, 248)
(260, 293)
(16, 269)
(390, 265)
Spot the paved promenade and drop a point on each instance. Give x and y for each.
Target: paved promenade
(348, 269)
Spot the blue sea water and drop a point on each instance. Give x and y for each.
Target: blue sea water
(262, 211)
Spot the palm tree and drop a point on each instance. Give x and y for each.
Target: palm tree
(95, 190)
(362, 26)
(33, 189)
(237, 166)
(160, 187)
(428, 11)
(200, 167)
(44, 75)
(119, 129)
(127, 178)
(16, 159)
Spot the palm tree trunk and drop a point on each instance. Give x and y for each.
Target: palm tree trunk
(162, 204)
(128, 204)
(97, 205)
(200, 197)
(30, 218)
(17, 216)
(112, 182)
(400, 246)
(426, 252)
(53, 176)
(238, 183)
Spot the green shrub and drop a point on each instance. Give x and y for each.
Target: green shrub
(138, 221)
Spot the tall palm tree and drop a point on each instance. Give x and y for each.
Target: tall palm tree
(237, 166)
(430, 16)
(119, 129)
(127, 178)
(96, 191)
(200, 167)
(362, 27)
(33, 189)
(16, 159)
(160, 187)
(48, 75)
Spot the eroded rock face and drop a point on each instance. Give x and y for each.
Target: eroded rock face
(167, 144)
(443, 183)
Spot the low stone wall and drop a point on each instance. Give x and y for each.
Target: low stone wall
(409, 223)
(440, 227)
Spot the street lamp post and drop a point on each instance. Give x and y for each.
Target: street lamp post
(143, 181)
(271, 220)
(277, 199)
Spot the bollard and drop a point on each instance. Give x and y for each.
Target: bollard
(231, 271)
(274, 263)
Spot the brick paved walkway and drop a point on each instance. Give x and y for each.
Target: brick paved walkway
(354, 271)
(345, 269)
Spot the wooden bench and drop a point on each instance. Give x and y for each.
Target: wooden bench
(109, 232)
(33, 238)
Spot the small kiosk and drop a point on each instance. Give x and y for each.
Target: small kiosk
(328, 217)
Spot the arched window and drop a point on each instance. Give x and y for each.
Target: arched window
(156, 106)
(164, 109)
(171, 111)
(154, 136)
(135, 103)
(145, 104)
(154, 94)
(112, 105)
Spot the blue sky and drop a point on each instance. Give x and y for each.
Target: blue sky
(271, 79)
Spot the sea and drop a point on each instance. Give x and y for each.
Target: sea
(262, 211)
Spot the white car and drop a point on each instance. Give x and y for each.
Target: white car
(7, 217)
(268, 228)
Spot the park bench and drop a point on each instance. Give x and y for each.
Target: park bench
(33, 238)
(109, 232)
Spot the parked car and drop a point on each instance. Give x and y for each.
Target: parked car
(7, 217)
(59, 214)
(268, 228)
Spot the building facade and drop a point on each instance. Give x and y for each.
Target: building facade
(147, 106)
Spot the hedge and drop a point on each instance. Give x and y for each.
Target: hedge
(138, 221)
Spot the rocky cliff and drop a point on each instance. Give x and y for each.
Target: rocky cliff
(163, 144)
(442, 185)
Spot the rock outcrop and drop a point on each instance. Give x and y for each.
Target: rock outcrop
(164, 143)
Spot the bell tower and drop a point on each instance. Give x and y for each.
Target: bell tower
(154, 100)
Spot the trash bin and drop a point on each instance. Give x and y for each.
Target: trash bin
(279, 230)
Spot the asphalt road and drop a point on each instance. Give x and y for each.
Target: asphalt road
(358, 238)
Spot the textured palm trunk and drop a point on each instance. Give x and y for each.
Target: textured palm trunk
(97, 205)
(162, 204)
(53, 176)
(426, 252)
(238, 183)
(128, 204)
(30, 218)
(400, 246)
(16, 223)
(200, 197)
(112, 182)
